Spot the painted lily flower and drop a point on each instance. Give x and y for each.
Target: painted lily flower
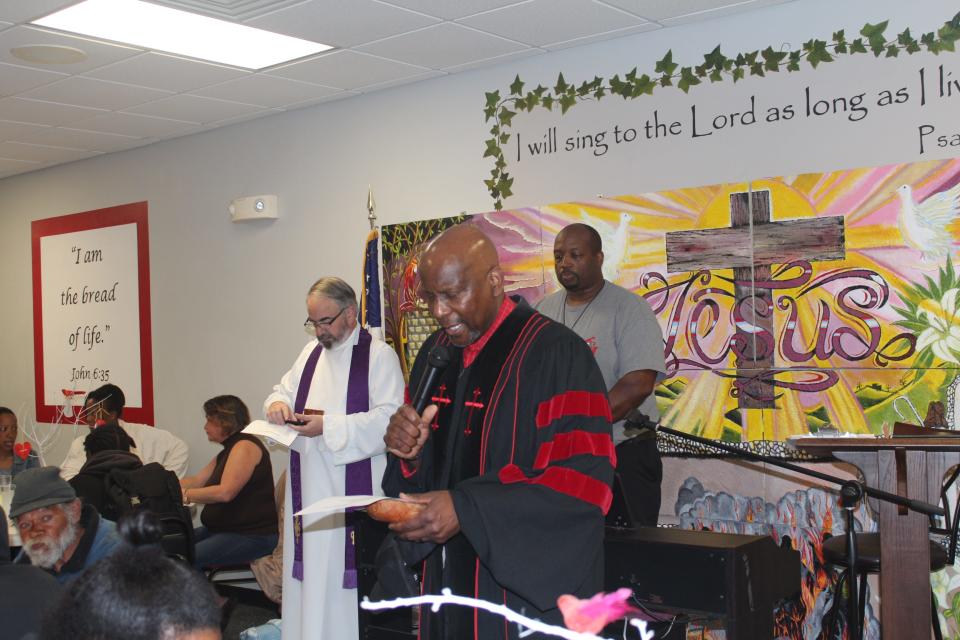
(591, 616)
(942, 334)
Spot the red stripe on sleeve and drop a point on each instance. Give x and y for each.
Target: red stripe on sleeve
(567, 481)
(574, 403)
(575, 443)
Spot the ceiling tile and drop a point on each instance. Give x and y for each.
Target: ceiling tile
(347, 70)
(27, 10)
(266, 91)
(16, 166)
(131, 124)
(100, 94)
(38, 112)
(17, 130)
(120, 97)
(38, 153)
(79, 139)
(238, 119)
(98, 53)
(609, 35)
(193, 109)
(395, 83)
(342, 23)
(167, 73)
(725, 9)
(526, 53)
(452, 10)
(17, 78)
(309, 103)
(543, 22)
(662, 9)
(460, 45)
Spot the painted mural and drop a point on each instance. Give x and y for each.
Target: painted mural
(788, 305)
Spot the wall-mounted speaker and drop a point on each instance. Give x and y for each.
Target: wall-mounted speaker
(254, 208)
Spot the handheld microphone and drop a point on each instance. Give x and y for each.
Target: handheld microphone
(437, 361)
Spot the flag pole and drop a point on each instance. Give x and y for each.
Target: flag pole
(371, 209)
(371, 272)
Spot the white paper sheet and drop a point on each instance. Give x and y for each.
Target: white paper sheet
(279, 433)
(337, 503)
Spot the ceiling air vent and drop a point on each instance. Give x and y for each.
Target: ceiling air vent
(233, 10)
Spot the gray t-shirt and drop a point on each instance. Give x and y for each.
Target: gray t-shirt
(620, 328)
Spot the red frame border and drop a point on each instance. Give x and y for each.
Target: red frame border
(136, 213)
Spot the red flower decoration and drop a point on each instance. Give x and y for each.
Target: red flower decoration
(591, 616)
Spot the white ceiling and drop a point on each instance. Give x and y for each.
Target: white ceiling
(122, 97)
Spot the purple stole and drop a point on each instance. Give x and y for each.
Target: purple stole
(359, 480)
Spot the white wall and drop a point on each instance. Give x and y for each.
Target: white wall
(227, 299)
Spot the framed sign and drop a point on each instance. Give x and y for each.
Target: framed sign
(91, 309)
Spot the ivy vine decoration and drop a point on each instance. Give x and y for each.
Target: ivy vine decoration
(716, 67)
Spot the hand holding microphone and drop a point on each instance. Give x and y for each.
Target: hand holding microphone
(409, 427)
(408, 431)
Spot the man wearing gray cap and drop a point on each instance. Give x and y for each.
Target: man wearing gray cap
(28, 592)
(59, 534)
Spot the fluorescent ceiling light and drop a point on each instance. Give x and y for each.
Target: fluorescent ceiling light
(151, 26)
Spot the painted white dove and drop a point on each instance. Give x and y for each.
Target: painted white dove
(923, 225)
(615, 240)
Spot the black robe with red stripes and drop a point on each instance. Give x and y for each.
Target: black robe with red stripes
(523, 442)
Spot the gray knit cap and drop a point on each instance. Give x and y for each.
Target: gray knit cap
(38, 488)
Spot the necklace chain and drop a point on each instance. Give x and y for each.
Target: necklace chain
(563, 308)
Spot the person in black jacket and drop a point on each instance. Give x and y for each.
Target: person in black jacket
(108, 448)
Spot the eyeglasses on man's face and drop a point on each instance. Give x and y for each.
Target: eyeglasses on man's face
(311, 326)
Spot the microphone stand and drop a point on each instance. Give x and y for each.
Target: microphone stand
(851, 492)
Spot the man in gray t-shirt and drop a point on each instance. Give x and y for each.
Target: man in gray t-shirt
(622, 331)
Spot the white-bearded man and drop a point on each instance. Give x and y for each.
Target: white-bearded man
(59, 533)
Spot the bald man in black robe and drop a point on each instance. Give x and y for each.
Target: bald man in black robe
(513, 459)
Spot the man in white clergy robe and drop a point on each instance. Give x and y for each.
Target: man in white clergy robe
(331, 452)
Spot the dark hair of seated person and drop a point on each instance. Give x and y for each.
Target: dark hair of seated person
(137, 592)
(229, 412)
(110, 396)
(108, 437)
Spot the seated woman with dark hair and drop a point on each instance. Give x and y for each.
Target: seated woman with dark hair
(108, 448)
(240, 516)
(137, 592)
(13, 459)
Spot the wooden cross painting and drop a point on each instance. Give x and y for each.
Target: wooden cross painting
(750, 246)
